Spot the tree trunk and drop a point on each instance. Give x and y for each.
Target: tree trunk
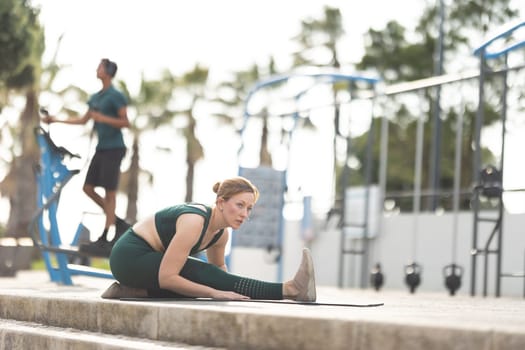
(132, 187)
(189, 181)
(23, 196)
(194, 152)
(264, 154)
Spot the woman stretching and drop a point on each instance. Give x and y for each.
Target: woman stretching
(154, 257)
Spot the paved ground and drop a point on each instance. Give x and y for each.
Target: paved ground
(460, 322)
(399, 306)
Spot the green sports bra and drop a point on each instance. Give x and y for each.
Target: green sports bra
(166, 223)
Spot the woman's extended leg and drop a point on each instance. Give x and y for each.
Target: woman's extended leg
(301, 287)
(210, 275)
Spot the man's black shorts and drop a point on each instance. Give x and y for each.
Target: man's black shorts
(104, 169)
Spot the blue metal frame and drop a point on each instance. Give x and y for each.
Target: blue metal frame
(322, 77)
(278, 79)
(505, 32)
(51, 176)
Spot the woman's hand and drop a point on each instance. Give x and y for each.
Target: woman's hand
(225, 295)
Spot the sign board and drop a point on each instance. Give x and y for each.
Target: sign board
(263, 230)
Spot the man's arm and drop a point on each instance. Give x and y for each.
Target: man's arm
(75, 121)
(121, 122)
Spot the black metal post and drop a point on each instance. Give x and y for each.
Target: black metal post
(476, 168)
(435, 158)
(368, 180)
(502, 162)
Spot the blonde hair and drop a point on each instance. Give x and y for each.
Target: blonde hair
(235, 185)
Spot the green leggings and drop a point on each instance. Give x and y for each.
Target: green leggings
(134, 263)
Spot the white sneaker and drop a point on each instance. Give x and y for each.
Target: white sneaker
(304, 279)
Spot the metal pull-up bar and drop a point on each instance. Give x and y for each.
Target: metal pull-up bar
(323, 77)
(501, 33)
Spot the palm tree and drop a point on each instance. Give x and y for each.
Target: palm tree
(237, 89)
(231, 96)
(22, 52)
(151, 107)
(194, 83)
(323, 35)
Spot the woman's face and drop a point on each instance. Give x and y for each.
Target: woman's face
(237, 209)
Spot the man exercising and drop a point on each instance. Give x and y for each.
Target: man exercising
(108, 109)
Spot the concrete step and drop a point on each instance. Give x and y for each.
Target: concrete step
(18, 335)
(408, 322)
(232, 325)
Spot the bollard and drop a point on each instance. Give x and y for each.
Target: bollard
(376, 277)
(413, 276)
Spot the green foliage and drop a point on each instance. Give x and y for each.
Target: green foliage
(396, 58)
(21, 49)
(320, 35)
(21, 44)
(198, 76)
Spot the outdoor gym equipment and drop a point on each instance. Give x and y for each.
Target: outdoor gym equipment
(52, 175)
(489, 179)
(279, 181)
(453, 272)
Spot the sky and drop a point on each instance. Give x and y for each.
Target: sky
(145, 37)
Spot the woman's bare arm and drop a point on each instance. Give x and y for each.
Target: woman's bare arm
(189, 227)
(217, 252)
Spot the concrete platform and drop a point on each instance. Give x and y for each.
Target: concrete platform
(406, 321)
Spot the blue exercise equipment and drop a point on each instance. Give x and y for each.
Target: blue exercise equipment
(52, 175)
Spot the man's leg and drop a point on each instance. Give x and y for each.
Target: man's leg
(104, 171)
(91, 193)
(110, 204)
(107, 204)
(110, 180)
